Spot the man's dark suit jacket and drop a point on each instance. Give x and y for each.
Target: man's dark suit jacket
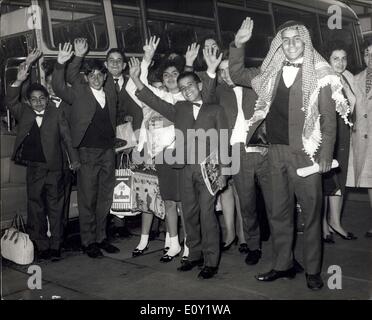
(328, 125)
(211, 116)
(126, 106)
(83, 103)
(53, 131)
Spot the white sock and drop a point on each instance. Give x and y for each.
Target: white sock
(143, 242)
(175, 247)
(167, 243)
(185, 249)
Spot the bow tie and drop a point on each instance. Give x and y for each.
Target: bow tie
(196, 104)
(290, 64)
(40, 115)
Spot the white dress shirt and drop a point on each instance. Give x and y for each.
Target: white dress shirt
(196, 108)
(39, 120)
(290, 72)
(239, 133)
(100, 96)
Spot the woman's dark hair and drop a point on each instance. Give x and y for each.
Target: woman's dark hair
(36, 87)
(334, 46)
(166, 63)
(200, 64)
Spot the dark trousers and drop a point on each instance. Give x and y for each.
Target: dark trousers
(67, 180)
(202, 229)
(45, 199)
(284, 161)
(95, 186)
(253, 166)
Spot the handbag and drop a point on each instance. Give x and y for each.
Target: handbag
(16, 245)
(136, 191)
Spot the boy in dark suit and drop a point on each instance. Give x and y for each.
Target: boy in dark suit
(41, 128)
(197, 203)
(93, 123)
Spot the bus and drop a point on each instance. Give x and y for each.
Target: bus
(43, 24)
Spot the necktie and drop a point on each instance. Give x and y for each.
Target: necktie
(368, 81)
(290, 64)
(117, 87)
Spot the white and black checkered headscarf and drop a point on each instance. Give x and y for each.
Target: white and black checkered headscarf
(316, 73)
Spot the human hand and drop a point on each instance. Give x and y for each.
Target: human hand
(33, 56)
(81, 47)
(221, 182)
(134, 68)
(75, 166)
(150, 47)
(22, 72)
(192, 53)
(210, 57)
(325, 165)
(244, 33)
(65, 53)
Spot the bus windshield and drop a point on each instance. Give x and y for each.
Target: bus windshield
(70, 19)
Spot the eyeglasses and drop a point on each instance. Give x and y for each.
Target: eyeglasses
(35, 100)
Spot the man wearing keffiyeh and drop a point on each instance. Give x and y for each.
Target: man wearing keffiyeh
(298, 96)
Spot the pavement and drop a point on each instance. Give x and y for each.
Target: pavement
(145, 278)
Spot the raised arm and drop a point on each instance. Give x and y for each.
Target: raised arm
(73, 70)
(191, 55)
(14, 91)
(241, 75)
(147, 96)
(58, 81)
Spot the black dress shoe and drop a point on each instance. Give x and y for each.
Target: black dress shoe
(314, 281)
(93, 251)
(274, 274)
(55, 254)
(243, 248)
(167, 258)
(43, 254)
(188, 265)
(253, 257)
(207, 272)
(328, 239)
(109, 248)
(137, 252)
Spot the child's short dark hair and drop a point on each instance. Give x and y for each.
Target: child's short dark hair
(117, 50)
(186, 74)
(92, 65)
(36, 87)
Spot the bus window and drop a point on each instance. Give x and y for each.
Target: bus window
(231, 20)
(8, 6)
(202, 8)
(127, 25)
(345, 34)
(70, 19)
(283, 14)
(175, 37)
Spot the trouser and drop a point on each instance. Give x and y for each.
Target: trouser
(284, 161)
(67, 180)
(201, 223)
(44, 199)
(253, 165)
(95, 186)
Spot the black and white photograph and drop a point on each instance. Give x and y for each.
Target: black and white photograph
(109, 110)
